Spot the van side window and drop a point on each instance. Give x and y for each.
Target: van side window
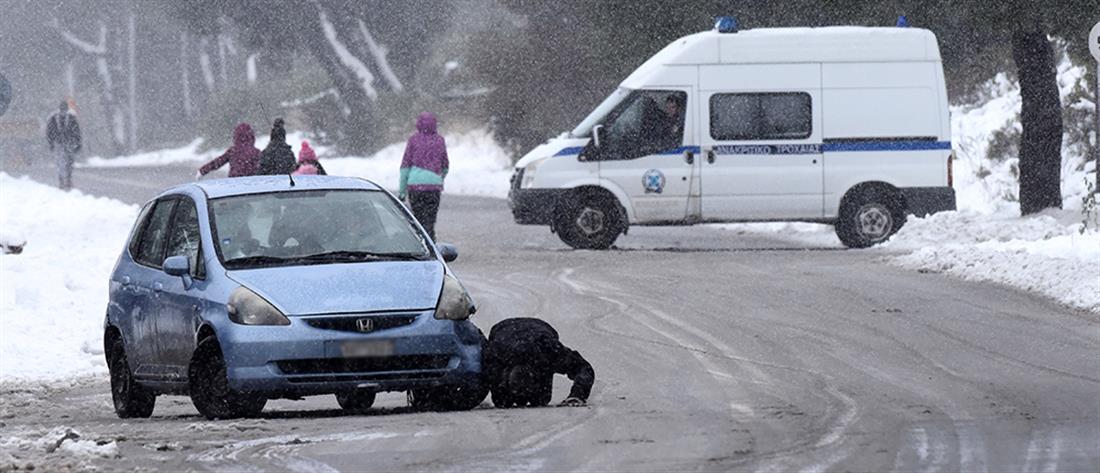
(648, 122)
(762, 116)
(153, 236)
(183, 238)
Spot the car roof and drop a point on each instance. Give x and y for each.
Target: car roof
(226, 187)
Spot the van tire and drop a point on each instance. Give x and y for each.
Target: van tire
(130, 399)
(869, 217)
(209, 386)
(592, 222)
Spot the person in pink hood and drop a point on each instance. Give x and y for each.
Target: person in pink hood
(308, 163)
(423, 169)
(243, 157)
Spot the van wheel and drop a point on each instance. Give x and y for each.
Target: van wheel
(358, 400)
(209, 386)
(130, 398)
(593, 223)
(870, 218)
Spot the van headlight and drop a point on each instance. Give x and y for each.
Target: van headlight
(529, 173)
(248, 308)
(454, 301)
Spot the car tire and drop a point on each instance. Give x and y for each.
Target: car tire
(131, 400)
(502, 400)
(209, 386)
(591, 223)
(869, 218)
(358, 400)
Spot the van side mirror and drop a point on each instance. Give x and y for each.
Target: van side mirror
(177, 266)
(596, 132)
(447, 251)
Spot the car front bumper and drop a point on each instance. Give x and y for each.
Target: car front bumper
(301, 359)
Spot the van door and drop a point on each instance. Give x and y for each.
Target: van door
(646, 150)
(761, 148)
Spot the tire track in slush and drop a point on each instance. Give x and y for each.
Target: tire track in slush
(832, 438)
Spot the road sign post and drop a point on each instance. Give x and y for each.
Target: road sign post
(1094, 48)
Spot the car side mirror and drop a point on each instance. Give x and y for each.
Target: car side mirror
(447, 251)
(177, 265)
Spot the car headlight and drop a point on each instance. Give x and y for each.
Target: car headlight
(454, 301)
(248, 308)
(529, 173)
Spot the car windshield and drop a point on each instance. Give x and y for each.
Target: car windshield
(584, 130)
(313, 227)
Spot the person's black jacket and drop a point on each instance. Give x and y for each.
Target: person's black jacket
(277, 158)
(533, 342)
(63, 130)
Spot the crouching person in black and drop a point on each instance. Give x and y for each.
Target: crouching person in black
(520, 360)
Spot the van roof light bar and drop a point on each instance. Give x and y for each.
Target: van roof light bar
(725, 24)
(903, 22)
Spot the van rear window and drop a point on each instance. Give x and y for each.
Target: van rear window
(761, 116)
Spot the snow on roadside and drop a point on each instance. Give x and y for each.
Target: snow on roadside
(53, 295)
(479, 166)
(1045, 253)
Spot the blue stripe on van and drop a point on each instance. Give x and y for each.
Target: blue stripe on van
(828, 146)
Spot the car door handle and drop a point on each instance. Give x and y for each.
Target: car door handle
(710, 157)
(689, 157)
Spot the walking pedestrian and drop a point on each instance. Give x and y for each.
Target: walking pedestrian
(520, 360)
(277, 157)
(308, 163)
(63, 135)
(423, 169)
(243, 157)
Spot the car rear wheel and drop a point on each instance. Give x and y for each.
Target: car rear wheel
(209, 386)
(870, 218)
(592, 223)
(131, 400)
(358, 400)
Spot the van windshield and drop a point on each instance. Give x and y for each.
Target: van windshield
(584, 130)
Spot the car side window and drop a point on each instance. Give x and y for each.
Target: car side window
(139, 225)
(761, 116)
(649, 122)
(183, 237)
(150, 251)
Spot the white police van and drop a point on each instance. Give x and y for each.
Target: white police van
(844, 125)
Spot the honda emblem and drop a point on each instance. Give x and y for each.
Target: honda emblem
(365, 325)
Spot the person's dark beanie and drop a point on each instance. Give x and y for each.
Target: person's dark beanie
(278, 133)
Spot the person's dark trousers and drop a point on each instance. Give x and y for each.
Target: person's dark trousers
(64, 160)
(425, 207)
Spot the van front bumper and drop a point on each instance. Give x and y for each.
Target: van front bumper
(535, 206)
(924, 201)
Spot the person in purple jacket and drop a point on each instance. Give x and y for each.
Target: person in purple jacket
(422, 171)
(243, 157)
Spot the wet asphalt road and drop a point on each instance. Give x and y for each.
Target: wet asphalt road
(730, 353)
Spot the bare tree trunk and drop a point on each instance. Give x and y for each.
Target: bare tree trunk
(185, 77)
(112, 108)
(1041, 119)
(132, 80)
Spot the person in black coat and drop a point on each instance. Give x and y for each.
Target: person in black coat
(277, 158)
(63, 136)
(519, 361)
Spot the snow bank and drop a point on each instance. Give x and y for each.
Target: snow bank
(479, 166)
(53, 296)
(1045, 253)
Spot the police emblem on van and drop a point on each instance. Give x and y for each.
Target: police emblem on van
(653, 181)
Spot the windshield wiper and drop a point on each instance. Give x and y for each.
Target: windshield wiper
(257, 260)
(347, 255)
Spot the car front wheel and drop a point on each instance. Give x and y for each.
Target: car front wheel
(358, 400)
(131, 400)
(209, 386)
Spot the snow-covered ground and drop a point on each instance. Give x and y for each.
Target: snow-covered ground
(479, 166)
(54, 294)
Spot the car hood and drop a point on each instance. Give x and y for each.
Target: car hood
(346, 287)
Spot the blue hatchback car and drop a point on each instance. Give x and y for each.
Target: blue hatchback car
(236, 291)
